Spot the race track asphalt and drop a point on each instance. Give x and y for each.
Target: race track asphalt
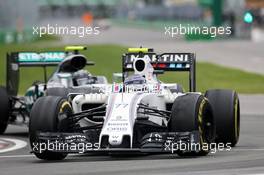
(246, 158)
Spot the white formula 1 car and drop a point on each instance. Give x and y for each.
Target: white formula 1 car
(142, 114)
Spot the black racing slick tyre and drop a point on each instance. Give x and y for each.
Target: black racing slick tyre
(226, 109)
(193, 112)
(4, 109)
(46, 116)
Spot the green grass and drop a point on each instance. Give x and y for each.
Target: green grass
(45, 38)
(108, 61)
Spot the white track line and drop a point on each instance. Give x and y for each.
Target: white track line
(249, 150)
(18, 144)
(17, 156)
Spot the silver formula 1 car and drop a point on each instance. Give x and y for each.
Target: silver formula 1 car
(69, 76)
(142, 114)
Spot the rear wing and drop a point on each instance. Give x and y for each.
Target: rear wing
(27, 59)
(164, 62)
(16, 60)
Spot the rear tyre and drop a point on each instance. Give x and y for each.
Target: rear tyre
(4, 109)
(225, 104)
(47, 115)
(193, 112)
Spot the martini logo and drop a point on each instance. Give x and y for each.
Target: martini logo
(134, 57)
(166, 57)
(174, 57)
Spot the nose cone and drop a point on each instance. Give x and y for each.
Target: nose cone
(115, 139)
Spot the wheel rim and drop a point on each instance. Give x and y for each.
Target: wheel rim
(205, 122)
(64, 111)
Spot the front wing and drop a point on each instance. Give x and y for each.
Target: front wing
(155, 142)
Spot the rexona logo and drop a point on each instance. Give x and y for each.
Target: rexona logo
(41, 57)
(166, 57)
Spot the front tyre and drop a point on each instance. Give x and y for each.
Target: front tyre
(225, 104)
(193, 112)
(47, 115)
(4, 109)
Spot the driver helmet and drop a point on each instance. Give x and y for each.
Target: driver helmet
(82, 77)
